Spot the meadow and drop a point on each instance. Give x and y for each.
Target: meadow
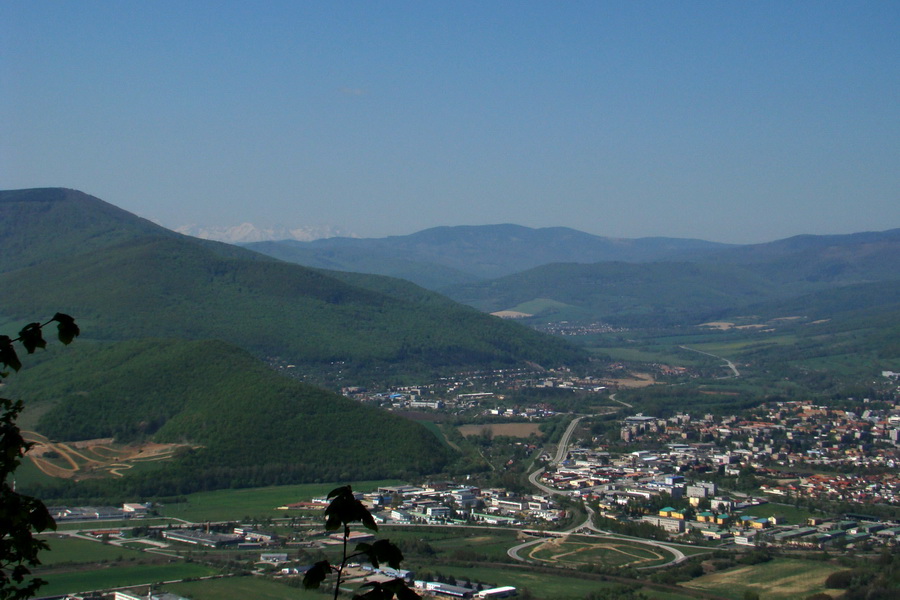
(544, 585)
(780, 579)
(82, 580)
(68, 550)
(241, 588)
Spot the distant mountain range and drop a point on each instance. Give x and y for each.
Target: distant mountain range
(248, 232)
(562, 274)
(444, 256)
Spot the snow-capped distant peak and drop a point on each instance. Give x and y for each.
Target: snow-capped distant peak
(248, 232)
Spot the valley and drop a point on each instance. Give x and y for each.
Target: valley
(592, 415)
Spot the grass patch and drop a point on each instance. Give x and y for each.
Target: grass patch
(575, 551)
(241, 588)
(643, 356)
(76, 551)
(546, 586)
(793, 515)
(81, 580)
(436, 430)
(779, 579)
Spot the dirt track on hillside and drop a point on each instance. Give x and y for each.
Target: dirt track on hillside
(92, 458)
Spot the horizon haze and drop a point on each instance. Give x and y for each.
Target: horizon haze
(735, 123)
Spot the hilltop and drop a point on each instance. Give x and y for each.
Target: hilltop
(127, 278)
(444, 256)
(177, 332)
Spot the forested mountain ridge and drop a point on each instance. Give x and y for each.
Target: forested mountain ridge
(732, 279)
(127, 278)
(444, 256)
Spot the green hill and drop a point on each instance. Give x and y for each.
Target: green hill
(619, 292)
(177, 333)
(252, 425)
(128, 279)
(814, 268)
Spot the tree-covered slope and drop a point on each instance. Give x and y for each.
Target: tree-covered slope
(131, 279)
(253, 425)
(620, 291)
(820, 259)
(728, 279)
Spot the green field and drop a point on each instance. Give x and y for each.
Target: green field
(574, 551)
(780, 579)
(241, 588)
(793, 515)
(729, 349)
(67, 582)
(641, 355)
(233, 505)
(73, 550)
(543, 585)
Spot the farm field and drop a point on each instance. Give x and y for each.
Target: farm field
(780, 579)
(639, 355)
(522, 430)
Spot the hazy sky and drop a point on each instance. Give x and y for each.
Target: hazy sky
(727, 121)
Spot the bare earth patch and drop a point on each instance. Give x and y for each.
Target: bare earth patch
(522, 430)
(92, 458)
(511, 314)
(637, 380)
(720, 325)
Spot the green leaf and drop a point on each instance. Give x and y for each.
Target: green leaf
(32, 337)
(8, 354)
(316, 574)
(67, 328)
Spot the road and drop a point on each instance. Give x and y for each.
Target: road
(563, 447)
(728, 363)
(623, 403)
(587, 526)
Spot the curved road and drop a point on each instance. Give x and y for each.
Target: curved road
(728, 363)
(588, 523)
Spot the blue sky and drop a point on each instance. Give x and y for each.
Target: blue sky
(727, 121)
